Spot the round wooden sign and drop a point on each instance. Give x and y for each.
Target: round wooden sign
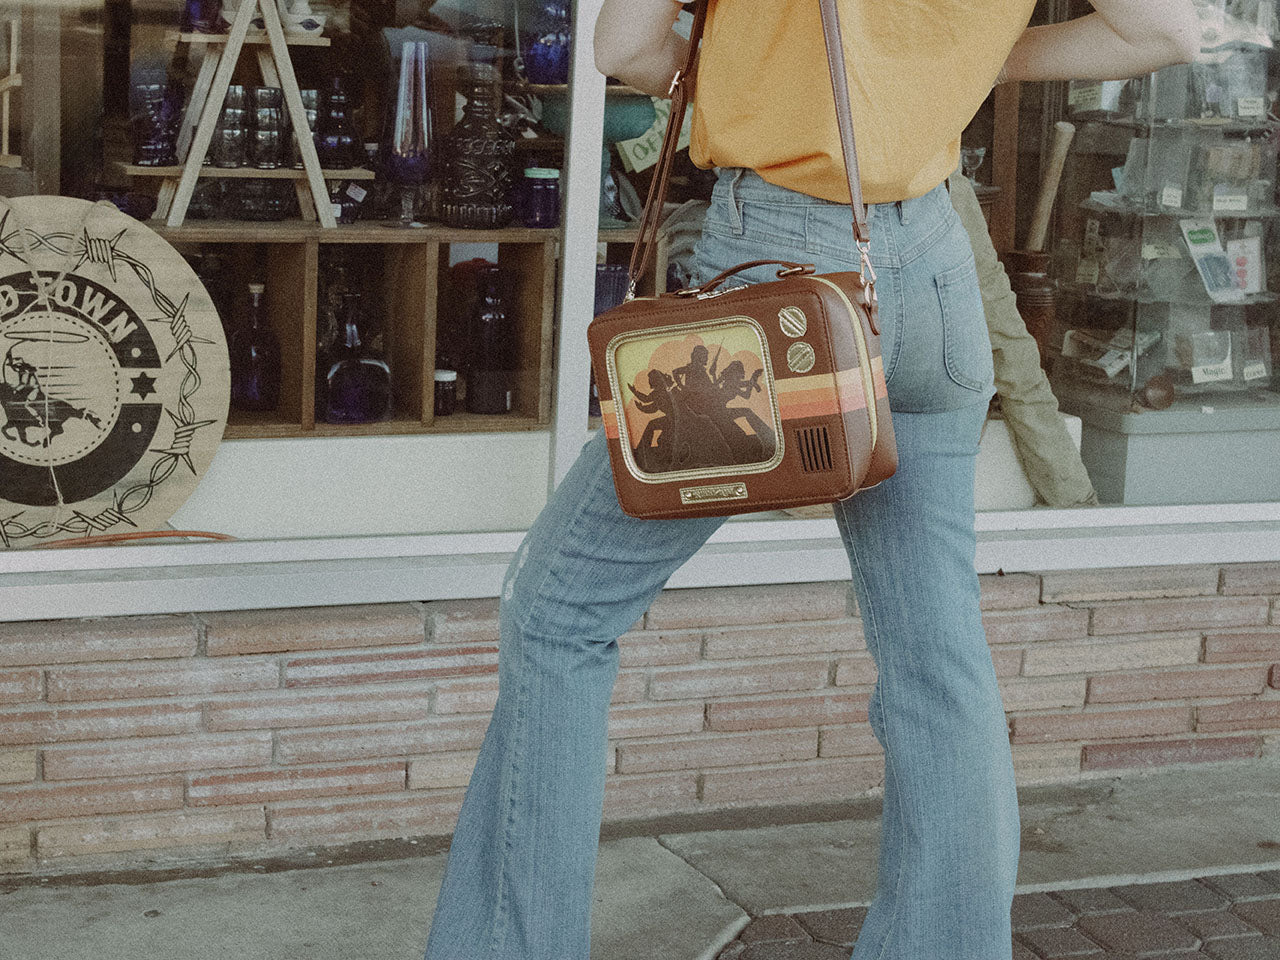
(114, 377)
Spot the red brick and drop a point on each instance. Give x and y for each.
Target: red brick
(805, 710)
(51, 724)
(15, 846)
(20, 686)
(462, 621)
(723, 680)
(394, 665)
(1240, 646)
(1128, 583)
(1035, 624)
(649, 795)
(138, 680)
(42, 801)
(466, 696)
(312, 628)
(451, 769)
(855, 670)
(266, 786)
(17, 766)
(86, 641)
(1176, 684)
(630, 686)
(1113, 653)
(793, 783)
(1100, 724)
(1022, 693)
(1007, 661)
(1242, 715)
(1142, 616)
(784, 640)
(1009, 591)
(727, 606)
(391, 740)
(1251, 578)
(1158, 753)
(848, 740)
(204, 829)
(655, 720)
(127, 758)
(641, 649)
(717, 750)
(412, 815)
(276, 710)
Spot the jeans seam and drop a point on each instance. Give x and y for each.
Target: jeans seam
(889, 767)
(499, 938)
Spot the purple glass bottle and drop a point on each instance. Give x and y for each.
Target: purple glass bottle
(492, 368)
(255, 359)
(356, 387)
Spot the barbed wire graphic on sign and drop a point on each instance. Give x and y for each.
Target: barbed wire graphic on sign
(106, 252)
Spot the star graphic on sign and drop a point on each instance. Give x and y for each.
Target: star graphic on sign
(143, 385)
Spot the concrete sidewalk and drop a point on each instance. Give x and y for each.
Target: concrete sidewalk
(673, 896)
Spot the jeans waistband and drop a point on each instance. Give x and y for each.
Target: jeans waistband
(742, 183)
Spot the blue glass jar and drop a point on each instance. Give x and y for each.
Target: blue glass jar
(544, 42)
(539, 197)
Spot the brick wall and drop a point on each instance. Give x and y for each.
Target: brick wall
(206, 735)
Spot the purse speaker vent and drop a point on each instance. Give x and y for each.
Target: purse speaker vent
(815, 449)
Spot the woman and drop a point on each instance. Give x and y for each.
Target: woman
(519, 878)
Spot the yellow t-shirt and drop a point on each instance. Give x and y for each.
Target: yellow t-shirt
(918, 71)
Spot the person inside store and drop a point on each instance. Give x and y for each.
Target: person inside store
(520, 872)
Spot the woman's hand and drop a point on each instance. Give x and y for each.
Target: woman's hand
(634, 42)
(1123, 38)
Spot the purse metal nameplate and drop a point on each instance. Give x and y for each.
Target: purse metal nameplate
(713, 493)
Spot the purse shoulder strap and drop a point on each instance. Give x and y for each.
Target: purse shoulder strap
(651, 218)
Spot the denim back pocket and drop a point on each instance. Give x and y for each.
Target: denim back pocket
(966, 345)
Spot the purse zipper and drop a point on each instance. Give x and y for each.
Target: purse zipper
(868, 384)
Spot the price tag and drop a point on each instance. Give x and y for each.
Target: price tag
(1229, 200)
(1087, 272)
(1251, 107)
(1212, 372)
(337, 210)
(1085, 96)
(1255, 371)
(1157, 250)
(356, 192)
(1171, 196)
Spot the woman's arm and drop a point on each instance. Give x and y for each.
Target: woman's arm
(634, 42)
(1123, 38)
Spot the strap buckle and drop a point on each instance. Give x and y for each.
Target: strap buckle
(868, 273)
(675, 82)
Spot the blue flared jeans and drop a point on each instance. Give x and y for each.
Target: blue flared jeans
(518, 882)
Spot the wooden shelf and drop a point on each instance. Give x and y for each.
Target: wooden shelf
(245, 426)
(258, 37)
(246, 173)
(365, 231)
(10, 160)
(542, 89)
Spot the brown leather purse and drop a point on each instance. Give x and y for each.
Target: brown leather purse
(721, 400)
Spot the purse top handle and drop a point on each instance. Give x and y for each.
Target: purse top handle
(651, 218)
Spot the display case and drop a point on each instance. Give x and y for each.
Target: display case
(1165, 264)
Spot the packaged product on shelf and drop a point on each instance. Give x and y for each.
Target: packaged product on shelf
(1100, 98)
(1108, 351)
(1234, 88)
(1198, 355)
(1211, 260)
(1166, 94)
(1168, 169)
(1256, 363)
(1233, 176)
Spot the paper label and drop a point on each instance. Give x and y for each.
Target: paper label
(1228, 200)
(642, 152)
(1087, 272)
(1251, 107)
(1085, 96)
(356, 192)
(337, 210)
(1255, 371)
(1171, 196)
(1212, 372)
(1158, 250)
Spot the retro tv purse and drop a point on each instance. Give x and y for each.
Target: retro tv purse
(719, 399)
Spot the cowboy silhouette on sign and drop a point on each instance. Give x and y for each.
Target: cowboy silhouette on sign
(27, 407)
(696, 427)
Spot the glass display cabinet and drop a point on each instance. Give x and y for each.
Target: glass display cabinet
(1165, 271)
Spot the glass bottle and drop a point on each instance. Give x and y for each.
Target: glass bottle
(255, 359)
(412, 143)
(544, 42)
(490, 373)
(477, 177)
(356, 387)
(336, 140)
